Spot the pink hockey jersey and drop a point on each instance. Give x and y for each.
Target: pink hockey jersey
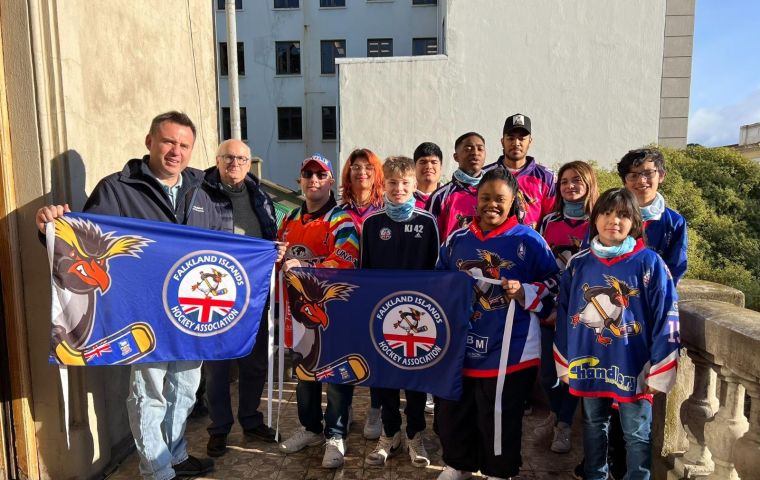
(564, 236)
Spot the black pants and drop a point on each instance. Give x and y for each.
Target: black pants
(390, 402)
(466, 427)
(253, 376)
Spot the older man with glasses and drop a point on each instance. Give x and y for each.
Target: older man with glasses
(245, 209)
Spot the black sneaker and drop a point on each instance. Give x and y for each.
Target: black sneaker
(261, 432)
(578, 471)
(217, 445)
(193, 466)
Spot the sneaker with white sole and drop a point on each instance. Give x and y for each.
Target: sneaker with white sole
(429, 404)
(545, 427)
(449, 473)
(335, 449)
(417, 453)
(561, 442)
(300, 440)
(373, 426)
(386, 447)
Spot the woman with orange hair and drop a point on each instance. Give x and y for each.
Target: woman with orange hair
(362, 185)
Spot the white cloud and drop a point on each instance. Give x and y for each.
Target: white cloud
(714, 127)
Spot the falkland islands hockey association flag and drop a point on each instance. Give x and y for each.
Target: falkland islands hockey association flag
(128, 291)
(382, 328)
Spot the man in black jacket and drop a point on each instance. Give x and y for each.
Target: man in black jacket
(160, 186)
(244, 208)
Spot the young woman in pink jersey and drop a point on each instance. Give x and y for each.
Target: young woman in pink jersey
(565, 229)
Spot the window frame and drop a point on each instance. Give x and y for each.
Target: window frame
(334, 50)
(223, 65)
(221, 7)
(290, 119)
(334, 126)
(427, 39)
(289, 58)
(297, 2)
(227, 124)
(321, 4)
(379, 45)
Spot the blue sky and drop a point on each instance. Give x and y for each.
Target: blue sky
(725, 77)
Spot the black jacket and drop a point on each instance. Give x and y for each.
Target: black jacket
(136, 193)
(221, 205)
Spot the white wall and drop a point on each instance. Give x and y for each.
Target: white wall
(588, 73)
(259, 25)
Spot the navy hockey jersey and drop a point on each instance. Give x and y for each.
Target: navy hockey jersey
(411, 244)
(617, 325)
(667, 236)
(513, 251)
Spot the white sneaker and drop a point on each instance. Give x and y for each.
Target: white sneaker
(386, 447)
(449, 473)
(429, 404)
(417, 452)
(373, 426)
(335, 449)
(561, 442)
(300, 440)
(546, 426)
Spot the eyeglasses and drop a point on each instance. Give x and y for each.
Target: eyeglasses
(310, 173)
(234, 158)
(361, 168)
(646, 174)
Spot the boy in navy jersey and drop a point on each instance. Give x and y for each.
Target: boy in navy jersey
(642, 172)
(400, 236)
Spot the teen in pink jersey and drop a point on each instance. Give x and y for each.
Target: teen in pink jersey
(536, 182)
(564, 230)
(455, 204)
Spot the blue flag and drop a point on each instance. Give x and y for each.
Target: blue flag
(129, 291)
(381, 328)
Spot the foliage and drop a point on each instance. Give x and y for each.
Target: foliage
(718, 192)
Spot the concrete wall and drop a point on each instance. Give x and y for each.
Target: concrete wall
(259, 26)
(84, 80)
(588, 73)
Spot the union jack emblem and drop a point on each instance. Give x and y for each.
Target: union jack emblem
(325, 374)
(206, 307)
(97, 351)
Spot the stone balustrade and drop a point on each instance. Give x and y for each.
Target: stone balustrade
(702, 431)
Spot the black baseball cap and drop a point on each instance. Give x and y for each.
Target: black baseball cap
(517, 121)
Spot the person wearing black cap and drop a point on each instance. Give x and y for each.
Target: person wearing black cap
(537, 183)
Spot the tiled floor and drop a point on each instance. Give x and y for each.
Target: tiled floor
(257, 460)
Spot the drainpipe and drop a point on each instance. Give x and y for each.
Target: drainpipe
(232, 69)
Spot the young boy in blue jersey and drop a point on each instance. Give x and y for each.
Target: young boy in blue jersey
(617, 333)
(515, 271)
(400, 236)
(642, 172)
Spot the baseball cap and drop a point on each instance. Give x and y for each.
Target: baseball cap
(319, 161)
(518, 120)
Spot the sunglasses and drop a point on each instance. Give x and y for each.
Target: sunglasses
(311, 173)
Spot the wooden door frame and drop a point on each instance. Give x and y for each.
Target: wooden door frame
(27, 461)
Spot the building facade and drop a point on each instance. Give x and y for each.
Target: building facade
(287, 72)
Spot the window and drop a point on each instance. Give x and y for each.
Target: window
(288, 58)
(329, 124)
(424, 2)
(289, 123)
(285, 3)
(332, 3)
(332, 49)
(220, 4)
(223, 66)
(424, 46)
(227, 125)
(380, 47)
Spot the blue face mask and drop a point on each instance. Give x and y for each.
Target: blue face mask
(574, 209)
(654, 210)
(399, 212)
(463, 177)
(601, 250)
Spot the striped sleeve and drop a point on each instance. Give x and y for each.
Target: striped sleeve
(666, 341)
(345, 242)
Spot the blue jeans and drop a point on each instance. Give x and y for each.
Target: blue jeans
(561, 402)
(309, 398)
(636, 420)
(160, 398)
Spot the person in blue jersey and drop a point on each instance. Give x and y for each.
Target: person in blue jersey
(400, 236)
(617, 333)
(642, 171)
(512, 264)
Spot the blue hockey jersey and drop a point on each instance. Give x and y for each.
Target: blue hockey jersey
(666, 235)
(617, 325)
(512, 251)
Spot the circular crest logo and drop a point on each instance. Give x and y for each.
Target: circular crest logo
(410, 330)
(206, 293)
(385, 233)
